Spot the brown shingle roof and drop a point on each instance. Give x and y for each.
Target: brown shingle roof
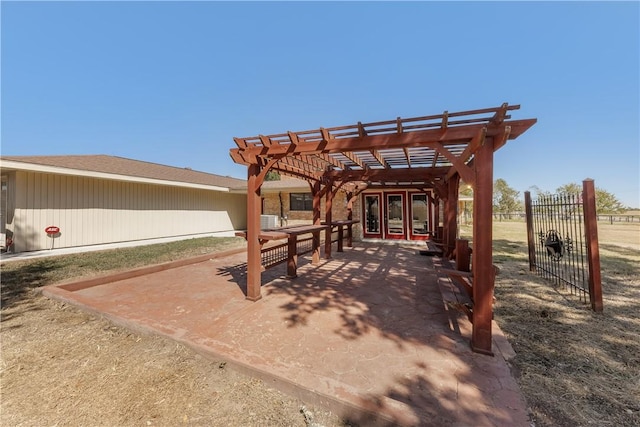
(129, 167)
(286, 183)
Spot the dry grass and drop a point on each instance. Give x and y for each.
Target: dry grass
(575, 367)
(62, 366)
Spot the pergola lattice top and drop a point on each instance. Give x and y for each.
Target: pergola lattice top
(418, 150)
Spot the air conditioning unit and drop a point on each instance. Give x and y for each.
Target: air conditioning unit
(268, 221)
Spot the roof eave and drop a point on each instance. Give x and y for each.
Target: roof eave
(31, 167)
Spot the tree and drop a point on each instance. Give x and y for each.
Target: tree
(465, 190)
(606, 202)
(571, 188)
(272, 176)
(505, 199)
(539, 191)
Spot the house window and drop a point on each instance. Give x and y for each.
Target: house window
(300, 202)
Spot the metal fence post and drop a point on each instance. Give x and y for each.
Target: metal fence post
(530, 241)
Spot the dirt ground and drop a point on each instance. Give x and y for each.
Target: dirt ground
(63, 367)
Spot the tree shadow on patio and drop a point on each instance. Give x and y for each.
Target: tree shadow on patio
(387, 289)
(373, 319)
(387, 300)
(433, 399)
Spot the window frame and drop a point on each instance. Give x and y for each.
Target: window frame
(306, 200)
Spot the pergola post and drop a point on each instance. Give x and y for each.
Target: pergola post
(315, 191)
(451, 215)
(436, 220)
(254, 263)
(350, 199)
(482, 255)
(327, 218)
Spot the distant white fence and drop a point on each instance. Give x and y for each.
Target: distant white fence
(610, 218)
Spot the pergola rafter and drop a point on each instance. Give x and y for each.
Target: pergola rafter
(354, 158)
(330, 160)
(427, 152)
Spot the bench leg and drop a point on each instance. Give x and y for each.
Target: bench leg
(292, 260)
(315, 258)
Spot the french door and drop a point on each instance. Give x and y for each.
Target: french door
(420, 213)
(395, 221)
(372, 215)
(402, 215)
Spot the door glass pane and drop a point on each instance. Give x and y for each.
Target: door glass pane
(395, 211)
(419, 224)
(372, 214)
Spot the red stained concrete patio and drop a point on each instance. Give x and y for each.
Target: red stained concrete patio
(366, 334)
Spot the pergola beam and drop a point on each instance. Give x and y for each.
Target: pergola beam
(413, 174)
(451, 135)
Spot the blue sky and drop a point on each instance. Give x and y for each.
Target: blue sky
(173, 83)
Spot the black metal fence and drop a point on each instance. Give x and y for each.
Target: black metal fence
(560, 251)
(563, 244)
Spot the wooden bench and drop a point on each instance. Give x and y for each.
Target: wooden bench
(291, 234)
(265, 236)
(463, 281)
(340, 225)
(433, 248)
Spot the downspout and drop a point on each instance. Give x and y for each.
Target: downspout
(283, 219)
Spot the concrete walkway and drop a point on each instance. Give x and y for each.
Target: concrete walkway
(365, 334)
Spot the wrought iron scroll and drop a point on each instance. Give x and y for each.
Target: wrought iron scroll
(559, 249)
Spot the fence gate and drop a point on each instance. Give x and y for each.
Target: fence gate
(563, 241)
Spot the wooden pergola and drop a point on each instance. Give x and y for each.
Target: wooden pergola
(430, 152)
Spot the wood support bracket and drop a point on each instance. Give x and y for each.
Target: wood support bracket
(465, 172)
(501, 139)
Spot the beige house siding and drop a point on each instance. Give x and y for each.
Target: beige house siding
(95, 210)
